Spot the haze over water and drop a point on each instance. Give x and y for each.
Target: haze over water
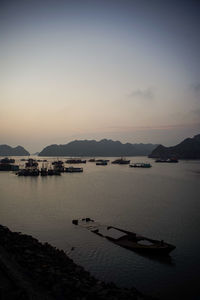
(161, 202)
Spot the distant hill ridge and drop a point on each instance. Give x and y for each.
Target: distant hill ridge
(6, 150)
(187, 149)
(94, 148)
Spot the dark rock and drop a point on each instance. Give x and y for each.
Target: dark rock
(55, 274)
(188, 149)
(6, 150)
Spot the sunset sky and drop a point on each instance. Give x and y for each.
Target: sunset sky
(78, 69)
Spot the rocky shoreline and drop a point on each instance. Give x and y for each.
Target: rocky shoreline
(32, 270)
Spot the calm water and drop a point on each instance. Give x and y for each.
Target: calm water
(162, 202)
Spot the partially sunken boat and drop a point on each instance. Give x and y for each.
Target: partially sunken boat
(127, 239)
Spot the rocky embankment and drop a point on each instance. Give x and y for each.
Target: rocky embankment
(31, 270)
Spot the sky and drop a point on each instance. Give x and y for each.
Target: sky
(125, 70)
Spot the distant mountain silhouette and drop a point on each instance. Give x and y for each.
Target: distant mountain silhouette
(94, 148)
(188, 149)
(6, 150)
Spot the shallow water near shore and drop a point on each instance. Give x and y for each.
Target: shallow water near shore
(161, 202)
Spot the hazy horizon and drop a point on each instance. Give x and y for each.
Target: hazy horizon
(121, 70)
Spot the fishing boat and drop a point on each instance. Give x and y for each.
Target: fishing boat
(31, 168)
(101, 162)
(58, 166)
(127, 239)
(121, 161)
(52, 172)
(140, 165)
(43, 171)
(75, 161)
(168, 160)
(7, 160)
(73, 170)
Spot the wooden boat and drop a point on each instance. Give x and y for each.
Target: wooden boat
(127, 239)
(141, 244)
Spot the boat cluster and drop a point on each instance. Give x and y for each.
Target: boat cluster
(120, 161)
(56, 168)
(7, 164)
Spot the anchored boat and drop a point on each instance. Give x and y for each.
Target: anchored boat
(140, 165)
(73, 170)
(121, 161)
(101, 162)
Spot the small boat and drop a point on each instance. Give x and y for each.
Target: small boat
(101, 163)
(121, 161)
(168, 160)
(7, 160)
(31, 163)
(43, 171)
(73, 170)
(172, 160)
(52, 172)
(57, 162)
(140, 165)
(28, 172)
(75, 161)
(127, 239)
(91, 160)
(58, 166)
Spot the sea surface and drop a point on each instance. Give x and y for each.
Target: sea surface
(162, 202)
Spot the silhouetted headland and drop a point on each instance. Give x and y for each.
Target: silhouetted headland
(6, 150)
(93, 148)
(188, 149)
(31, 270)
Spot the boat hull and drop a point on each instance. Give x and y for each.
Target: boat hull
(155, 249)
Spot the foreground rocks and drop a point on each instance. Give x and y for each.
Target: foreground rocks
(31, 270)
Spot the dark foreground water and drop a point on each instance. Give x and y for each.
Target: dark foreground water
(162, 202)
